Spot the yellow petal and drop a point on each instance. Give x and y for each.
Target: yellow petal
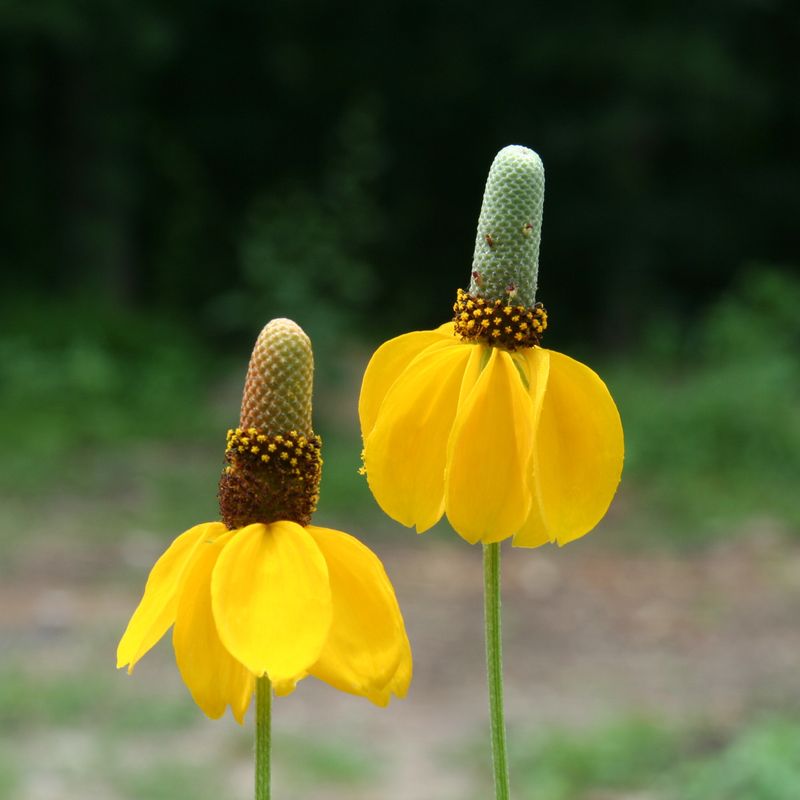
(579, 450)
(487, 493)
(214, 677)
(285, 687)
(385, 366)
(367, 641)
(405, 453)
(398, 685)
(534, 533)
(271, 600)
(156, 610)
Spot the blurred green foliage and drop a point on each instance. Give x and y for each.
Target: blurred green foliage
(92, 401)
(30, 700)
(761, 763)
(567, 765)
(712, 411)
(327, 762)
(650, 758)
(171, 781)
(75, 377)
(9, 778)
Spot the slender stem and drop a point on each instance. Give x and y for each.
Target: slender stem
(263, 736)
(494, 667)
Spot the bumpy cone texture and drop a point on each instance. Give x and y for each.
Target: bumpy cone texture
(273, 462)
(277, 390)
(510, 228)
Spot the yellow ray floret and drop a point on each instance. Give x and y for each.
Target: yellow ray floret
(275, 599)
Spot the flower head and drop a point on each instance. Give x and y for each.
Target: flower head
(263, 592)
(475, 419)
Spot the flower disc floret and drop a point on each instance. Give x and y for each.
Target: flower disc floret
(269, 477)
(498, 322)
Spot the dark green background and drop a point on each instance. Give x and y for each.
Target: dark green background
(176, 174)
(234, 161)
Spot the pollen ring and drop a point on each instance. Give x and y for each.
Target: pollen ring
(498, 323)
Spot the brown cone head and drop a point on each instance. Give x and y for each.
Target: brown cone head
(277, 390)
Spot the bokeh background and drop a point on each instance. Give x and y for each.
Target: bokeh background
(175, 174)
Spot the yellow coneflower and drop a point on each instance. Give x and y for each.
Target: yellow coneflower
(475, 419)
(263, 593)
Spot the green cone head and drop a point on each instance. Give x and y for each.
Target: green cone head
(506, 259)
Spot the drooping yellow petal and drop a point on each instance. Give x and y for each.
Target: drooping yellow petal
(533, 532)
(405, 453)
(156, 610)
(385, 367)
(487, 493)
(367, 641)
(284, 688)
(579, 450)
(271, 600)
(398, 685)
(214, 677)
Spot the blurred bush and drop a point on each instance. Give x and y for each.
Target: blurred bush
(147, 150)
(712, 410)
(653, 759)
(303, 250)
(74, 377)
(566, 765)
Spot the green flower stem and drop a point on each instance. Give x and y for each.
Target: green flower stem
(263, 736)
(494, 667)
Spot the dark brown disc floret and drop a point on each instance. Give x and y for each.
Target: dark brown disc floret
(269, 477)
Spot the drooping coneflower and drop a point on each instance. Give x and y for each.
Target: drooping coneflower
(262, 597)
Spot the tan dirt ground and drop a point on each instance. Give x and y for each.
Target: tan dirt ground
(591, 634)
